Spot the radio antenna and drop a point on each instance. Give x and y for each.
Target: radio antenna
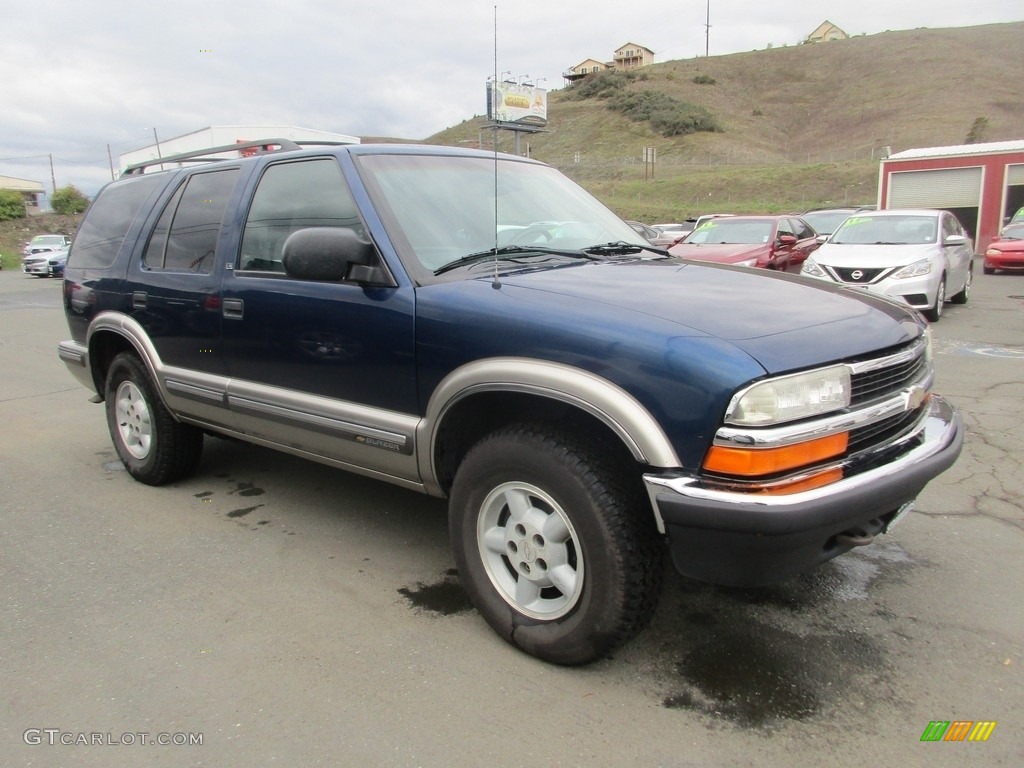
(494, 122)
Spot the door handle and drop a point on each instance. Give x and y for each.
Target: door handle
(233, 309)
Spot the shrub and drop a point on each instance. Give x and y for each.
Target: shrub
(68, 200)
(704, 80)
(978, 130)
(12, 206)
(667, 115)
(599, 85)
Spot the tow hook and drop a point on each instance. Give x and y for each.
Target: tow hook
(861, 535)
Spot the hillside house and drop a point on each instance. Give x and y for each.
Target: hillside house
(633, 56)
(585, 68)
(627, 56)
(826, 31)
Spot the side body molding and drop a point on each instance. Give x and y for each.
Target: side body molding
(606, 401)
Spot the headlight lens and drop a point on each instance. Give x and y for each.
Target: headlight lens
(917, 269)
(746, 263)
(993, 252)
(811, 268)
(789, 398)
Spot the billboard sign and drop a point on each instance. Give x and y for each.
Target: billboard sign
(510, 103)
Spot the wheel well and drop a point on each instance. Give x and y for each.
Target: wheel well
(476, 416)
(103, 348)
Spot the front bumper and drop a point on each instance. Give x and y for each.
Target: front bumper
(740, 539)
(1005, 261)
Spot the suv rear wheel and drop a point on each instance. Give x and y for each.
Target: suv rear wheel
(152, 445)
(553, 544)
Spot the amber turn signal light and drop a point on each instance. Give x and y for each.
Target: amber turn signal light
(758, 462)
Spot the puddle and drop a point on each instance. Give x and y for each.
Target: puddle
(756, 675)
(444, 597)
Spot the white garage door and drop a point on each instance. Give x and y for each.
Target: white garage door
(941, 188)
(1014, 174)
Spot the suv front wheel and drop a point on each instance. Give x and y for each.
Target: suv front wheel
(152, 445)
(553, 544)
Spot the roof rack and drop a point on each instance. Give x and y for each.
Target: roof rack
(261, 147)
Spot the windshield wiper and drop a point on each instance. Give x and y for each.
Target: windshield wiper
(617, 248)
(509, 253)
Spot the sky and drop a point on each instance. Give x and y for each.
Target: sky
(84, 81)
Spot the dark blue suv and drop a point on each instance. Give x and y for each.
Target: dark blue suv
(477, 327)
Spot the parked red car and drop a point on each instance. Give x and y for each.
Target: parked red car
(769, 242)
(1006, 251)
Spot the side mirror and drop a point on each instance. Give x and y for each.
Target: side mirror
(330, 254)
(954, 240)
(788, 240)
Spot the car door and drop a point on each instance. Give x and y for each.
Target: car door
(784, 251)
(958, 256)
(173, 284)
(806, 242)
(320, 367)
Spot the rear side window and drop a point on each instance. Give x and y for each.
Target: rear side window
(109, 218)
(185, 236)
(293, 196)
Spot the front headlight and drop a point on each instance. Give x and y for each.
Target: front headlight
(917, 269)
(746, 263)
(811, 268)
(788, 398)
(993, 252)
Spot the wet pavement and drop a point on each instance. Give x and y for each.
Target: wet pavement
(297, 615)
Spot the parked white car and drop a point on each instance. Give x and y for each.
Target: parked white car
(922, 257)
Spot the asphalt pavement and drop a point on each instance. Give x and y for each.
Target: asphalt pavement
(271, 611)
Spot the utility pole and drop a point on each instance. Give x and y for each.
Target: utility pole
(707, 32)
(110, 157)
(53, 178)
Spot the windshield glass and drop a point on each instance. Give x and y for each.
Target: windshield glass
(1015, 232)
(889, 230)
(48, 240)
(442, 208)
(825, 222)
(731, 230)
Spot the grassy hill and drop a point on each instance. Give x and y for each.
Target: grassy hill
(802, 126)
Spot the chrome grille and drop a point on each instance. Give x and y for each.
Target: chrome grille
(870, 385)
(882, 431)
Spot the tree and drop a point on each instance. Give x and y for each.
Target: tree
(12, 206)
(68, 200)
(978, 130)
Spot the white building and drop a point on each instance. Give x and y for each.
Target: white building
(222, 135)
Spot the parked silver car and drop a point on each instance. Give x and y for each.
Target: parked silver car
(46, 243)
(38, 263)
(922, 257)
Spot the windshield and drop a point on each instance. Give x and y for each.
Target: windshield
(825, 223)
(730, 230)
(48, 240)
(439, 209)
(887, 230)
(1015, 232)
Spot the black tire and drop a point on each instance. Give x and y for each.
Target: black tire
(989, 270)
(579, 571)
(153, 446)
(934, 314)
(965, 294)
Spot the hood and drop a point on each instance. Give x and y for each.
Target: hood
(723, 253)
(783, 321)
(872, 256)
